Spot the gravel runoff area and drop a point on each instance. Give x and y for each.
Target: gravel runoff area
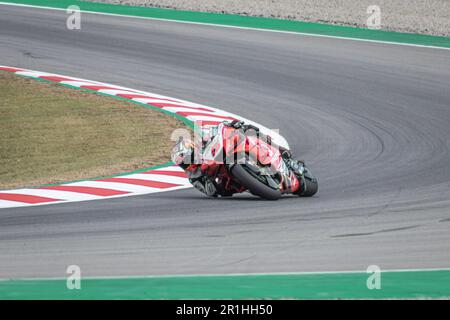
(414, 16)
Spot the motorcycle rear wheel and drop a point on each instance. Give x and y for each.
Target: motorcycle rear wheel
(255, 186)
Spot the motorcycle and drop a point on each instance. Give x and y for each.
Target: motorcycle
(238, 161)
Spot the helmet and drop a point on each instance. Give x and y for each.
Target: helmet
(182, 152)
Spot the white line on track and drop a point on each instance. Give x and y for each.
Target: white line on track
(236, 274)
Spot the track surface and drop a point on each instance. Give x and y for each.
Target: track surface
(372, 120)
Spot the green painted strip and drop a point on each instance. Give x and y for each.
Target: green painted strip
(186, 121)
(407, 284)
(247, 22)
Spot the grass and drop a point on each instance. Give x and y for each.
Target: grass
(52, 134)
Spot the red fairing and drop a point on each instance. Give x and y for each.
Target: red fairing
(266, 154)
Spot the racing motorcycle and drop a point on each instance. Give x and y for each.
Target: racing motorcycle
(237, 158)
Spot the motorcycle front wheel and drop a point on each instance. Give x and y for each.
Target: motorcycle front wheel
(253, 184)
(311, 184)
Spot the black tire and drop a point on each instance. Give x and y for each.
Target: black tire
(311, 185)
(255, 186)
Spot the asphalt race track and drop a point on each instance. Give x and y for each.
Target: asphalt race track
(370, 119)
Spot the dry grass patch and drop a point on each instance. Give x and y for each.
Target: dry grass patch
(50, 134)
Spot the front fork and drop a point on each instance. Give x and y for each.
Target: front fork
(292, 175)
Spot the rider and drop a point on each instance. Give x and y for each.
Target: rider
(206, 184)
